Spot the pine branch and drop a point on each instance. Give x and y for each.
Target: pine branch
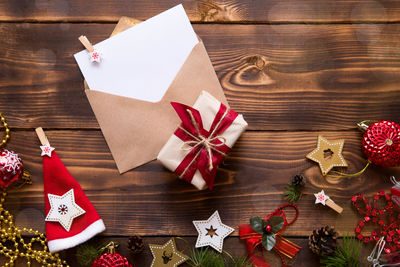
(86, 254)
(292, 193)
(204, 257)
(346, 255)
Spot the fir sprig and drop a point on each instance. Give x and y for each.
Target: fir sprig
(292, 193)
(86, 254)
(205, 257)
(346, 255)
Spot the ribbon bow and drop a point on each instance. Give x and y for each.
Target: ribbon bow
(268, 233)
(207, 148)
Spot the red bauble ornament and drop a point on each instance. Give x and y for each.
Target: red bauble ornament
(381, 143)
(11, 168)
(111, 259)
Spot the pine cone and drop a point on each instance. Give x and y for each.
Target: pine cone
(323, 241)
(136, 244)
(298, 180)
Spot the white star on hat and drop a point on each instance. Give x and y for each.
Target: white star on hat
(46, 150)
(321, 198)
(212, 232)
(63, 209)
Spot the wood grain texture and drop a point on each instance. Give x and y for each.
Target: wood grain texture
(281, 77)
(204, 10)
(152, 201)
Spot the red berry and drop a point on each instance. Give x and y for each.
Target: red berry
(268, 228)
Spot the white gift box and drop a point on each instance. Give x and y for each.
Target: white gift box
(172, 154)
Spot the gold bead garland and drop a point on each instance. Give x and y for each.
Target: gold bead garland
(7, 130)
(10, 232)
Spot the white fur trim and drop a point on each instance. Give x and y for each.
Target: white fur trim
(69, 242)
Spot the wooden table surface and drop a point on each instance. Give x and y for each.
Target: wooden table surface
(295, 69)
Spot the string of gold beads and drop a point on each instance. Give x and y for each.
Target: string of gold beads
(7, 130)
(20, 249)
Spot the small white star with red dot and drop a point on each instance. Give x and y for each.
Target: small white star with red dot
(46, 150)
(321, 198)
(95, 56)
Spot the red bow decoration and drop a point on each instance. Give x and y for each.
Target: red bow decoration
(207, 148)
(282, 246)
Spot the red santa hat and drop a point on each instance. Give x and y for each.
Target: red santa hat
(71, 218)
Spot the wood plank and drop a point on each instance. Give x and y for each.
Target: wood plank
(152, 201)
(204, 10)
(281, 77)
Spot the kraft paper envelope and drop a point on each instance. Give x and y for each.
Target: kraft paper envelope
(136, 130)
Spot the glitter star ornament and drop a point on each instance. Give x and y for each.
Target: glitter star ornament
(63, 209)
(167, 255)
(328, 154)
(46, 150)
(212, 232)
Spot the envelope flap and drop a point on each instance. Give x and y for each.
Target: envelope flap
(197, 74)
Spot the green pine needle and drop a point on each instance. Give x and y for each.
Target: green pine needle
(86, 254)
(243, 262)
(205, 257)
(346, 255)
(292, 194)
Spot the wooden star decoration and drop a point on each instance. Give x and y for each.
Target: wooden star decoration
(328, 154)
(167, 255)
(63, 209)
(212, 232)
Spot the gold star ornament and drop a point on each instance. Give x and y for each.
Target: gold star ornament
(167, 255)
(328, 154)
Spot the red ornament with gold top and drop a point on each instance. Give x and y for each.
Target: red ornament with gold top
(111, 259)
(381, 143)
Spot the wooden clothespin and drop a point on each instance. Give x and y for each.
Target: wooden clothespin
(42, 136)
(45, 147)
(326, 201)
(94, 55)
(86, 43)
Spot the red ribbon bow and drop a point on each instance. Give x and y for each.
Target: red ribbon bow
(282, 245)
(207, 148)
